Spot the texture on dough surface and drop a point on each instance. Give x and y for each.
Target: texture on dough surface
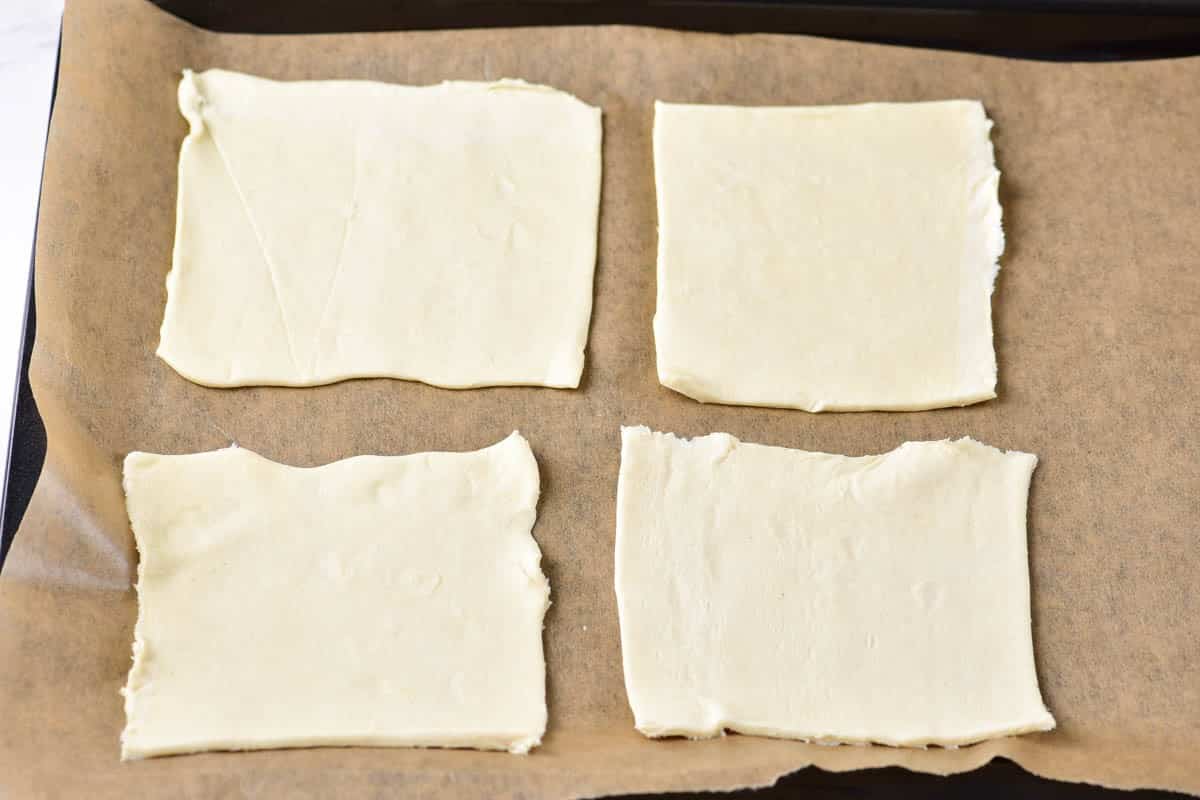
(827, 258)
(381, 601)
(329, 230)
(822, 597)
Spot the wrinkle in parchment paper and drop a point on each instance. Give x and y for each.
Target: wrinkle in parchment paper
(1097, 315)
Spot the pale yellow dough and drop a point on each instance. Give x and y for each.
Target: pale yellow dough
(811, 596)
(836, 258)
(382, 601)
(339, 229)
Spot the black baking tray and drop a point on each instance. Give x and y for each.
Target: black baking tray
(1060, 30)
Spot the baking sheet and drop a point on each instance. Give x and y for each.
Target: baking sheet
(29, 42)
(1097, 312)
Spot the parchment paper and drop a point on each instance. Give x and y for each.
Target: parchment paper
(1097, 314)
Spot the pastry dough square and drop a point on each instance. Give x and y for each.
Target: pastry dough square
(373, 601)
(810, 596)
(835, 258)
(343, 229)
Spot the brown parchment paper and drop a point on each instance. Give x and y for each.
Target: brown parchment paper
(1097, 315)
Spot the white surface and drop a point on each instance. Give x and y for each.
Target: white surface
(445, 233)
(373, 601)
(812, 596)
(28, 48)
(832, 258)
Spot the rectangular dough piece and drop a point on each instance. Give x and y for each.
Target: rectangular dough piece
(830, 258)
(329, 230)
(810, 596)
(374, 601)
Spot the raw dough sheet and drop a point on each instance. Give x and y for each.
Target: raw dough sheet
(820, 597)
(831, 258)
(373, 601)
(343, 229)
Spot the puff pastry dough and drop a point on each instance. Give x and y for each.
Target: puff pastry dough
(812, 596)
(373, 601)
(829, 258)
(342, 229)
